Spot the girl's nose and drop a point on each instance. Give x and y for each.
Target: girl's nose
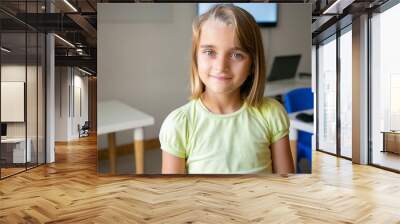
(220, 64)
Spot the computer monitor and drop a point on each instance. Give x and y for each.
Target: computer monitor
(284, 67)
(3, 129)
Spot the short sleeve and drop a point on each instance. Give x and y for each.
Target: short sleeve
(278, 120)
(173, 134)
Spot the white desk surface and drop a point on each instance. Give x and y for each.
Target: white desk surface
(116, 116)
(273, 88)
(13, 140)
(301, 125)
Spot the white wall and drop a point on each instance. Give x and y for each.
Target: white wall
(66, 81)
(292, 35)
(12, 100)
(33, 126)
(82, 82)
(16, 72)
(61, 103)
(79, 117)
(144, 54)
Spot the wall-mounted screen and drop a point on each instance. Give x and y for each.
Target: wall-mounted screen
(265, 14)
(3, 129)
(12, 101)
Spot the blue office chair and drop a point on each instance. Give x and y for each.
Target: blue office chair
(297, 100)
(304, 152)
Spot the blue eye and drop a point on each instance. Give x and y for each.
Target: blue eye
(209, 52)
(237, 56)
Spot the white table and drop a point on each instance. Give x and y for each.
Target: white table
(114, 116)
(19, 155)
(273, 88)
(298, 125)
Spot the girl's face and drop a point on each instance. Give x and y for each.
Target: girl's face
(223, 66)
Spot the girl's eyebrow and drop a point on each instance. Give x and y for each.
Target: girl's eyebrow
(212, 46)
(237, 49)
(207, 46)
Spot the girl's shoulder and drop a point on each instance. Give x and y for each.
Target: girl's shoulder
(276, 118)
(271, 106)
(272, 112)
(181, 114)
(174, 131)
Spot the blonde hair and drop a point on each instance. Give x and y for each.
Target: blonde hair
(249, 37)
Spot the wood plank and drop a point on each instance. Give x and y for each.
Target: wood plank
(71, 191)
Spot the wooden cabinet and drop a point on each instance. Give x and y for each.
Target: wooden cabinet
(391, 141)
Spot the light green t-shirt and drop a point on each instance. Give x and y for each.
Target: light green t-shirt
(224, 143)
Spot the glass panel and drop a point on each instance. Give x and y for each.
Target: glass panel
(31, 100)
(31, 84)
(22, 89)
(327, 96)
(13, 87)
(346, 94)
(41, 98)
(385, 84)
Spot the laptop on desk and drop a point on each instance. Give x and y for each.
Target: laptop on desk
(282, 77)
(284, 67)
(305, 117)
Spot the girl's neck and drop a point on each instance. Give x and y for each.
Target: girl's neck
(222, 103)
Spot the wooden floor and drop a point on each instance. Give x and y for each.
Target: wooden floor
(10, 171)
(387, 159)
(70, 191)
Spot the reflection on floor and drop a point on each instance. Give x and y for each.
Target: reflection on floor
(11, 168)
(387, 159)
(10, 171)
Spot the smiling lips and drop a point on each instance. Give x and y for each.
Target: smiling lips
(221, 78)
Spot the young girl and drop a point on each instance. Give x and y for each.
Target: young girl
(227, 127)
